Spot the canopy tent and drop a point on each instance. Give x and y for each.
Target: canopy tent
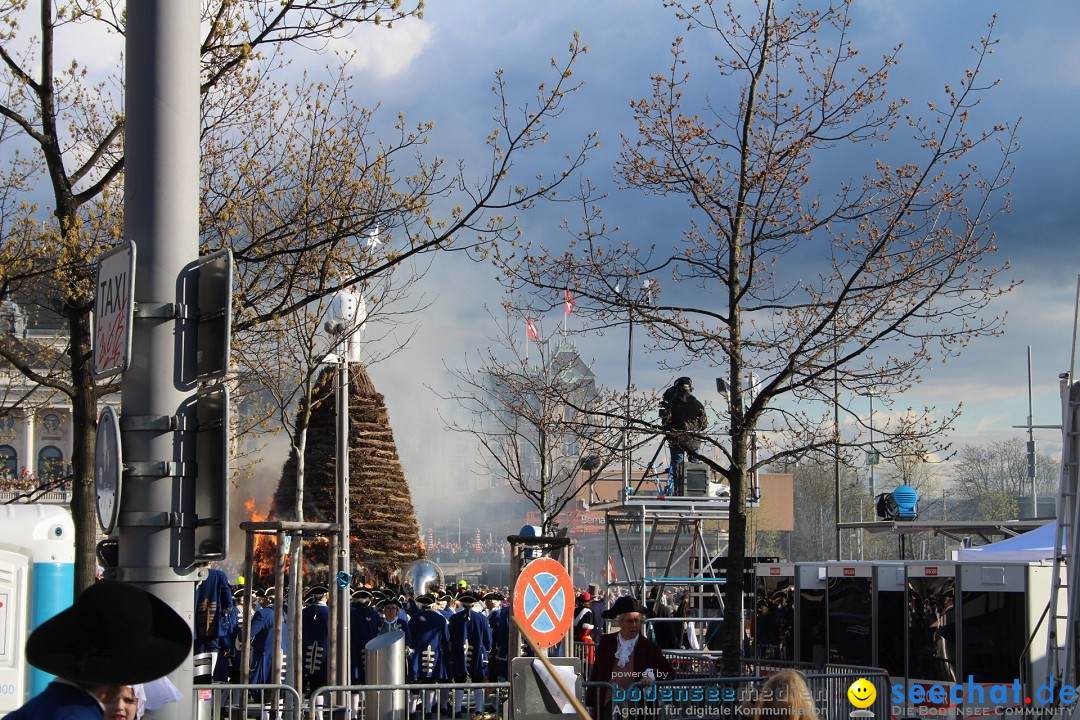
(1034, 545)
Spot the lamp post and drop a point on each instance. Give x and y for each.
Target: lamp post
(345, 318)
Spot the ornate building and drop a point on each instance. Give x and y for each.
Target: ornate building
(35, 421)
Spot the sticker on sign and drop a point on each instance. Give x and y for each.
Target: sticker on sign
(114, 307)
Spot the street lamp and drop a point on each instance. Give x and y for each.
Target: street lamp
(345, 319)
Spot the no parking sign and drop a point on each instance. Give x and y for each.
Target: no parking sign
(544, 601)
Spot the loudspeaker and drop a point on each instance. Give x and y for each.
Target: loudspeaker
(697, 479)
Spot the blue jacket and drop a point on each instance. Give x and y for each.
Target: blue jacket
(315, 642)
(364, 625)
(470, 645)
(60, 701)
(431, 642)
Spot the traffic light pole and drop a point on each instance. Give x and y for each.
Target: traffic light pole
(161, 215)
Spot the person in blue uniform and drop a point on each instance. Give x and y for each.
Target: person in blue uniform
(228, 665)
(315, 638)
(470, 646)
(499, 622)
(431, 641)
(213, 615)
(262, 642)
(113, 636)
(364, 625)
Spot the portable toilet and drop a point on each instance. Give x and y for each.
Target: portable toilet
(811, 613)
(37, 576)
(774, 602)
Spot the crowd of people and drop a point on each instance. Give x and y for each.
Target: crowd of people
(453, 634)
(113, 648)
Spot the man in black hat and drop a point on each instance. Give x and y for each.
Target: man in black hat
(315, 631)
(681, 415)
(114, 635)
(470, 647)
(625, 657)
(499, 622)
(364, 624)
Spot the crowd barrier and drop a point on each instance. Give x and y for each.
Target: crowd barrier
(684, 697)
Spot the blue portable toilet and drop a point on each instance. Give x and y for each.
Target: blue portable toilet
(37, 577)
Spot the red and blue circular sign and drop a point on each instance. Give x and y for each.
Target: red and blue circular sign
(544, 601)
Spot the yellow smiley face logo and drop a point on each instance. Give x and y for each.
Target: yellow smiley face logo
(862, 693)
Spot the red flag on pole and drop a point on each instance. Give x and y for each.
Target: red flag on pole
(568, 301)
(610, 570)
(530, 330)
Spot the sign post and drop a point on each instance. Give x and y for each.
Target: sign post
(114, 309)
(544, 601)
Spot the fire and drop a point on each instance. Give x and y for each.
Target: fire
(262, 563)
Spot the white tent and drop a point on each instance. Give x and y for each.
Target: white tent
(1034, 545)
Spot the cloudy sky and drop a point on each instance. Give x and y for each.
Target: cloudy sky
(441, 69)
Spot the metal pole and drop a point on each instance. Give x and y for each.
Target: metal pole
(344, 565)
(1031, 442)
(873, 454)
(836, 448)
(161, 211)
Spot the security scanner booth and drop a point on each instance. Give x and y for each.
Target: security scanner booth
(37, 576)
(888, 593)
(850, 603)
(774, 602)
(1000, 639)
(931, 652)
(866, 605)
(811, 614)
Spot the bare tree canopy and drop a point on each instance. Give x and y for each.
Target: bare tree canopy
(294, 180)
(837, 241)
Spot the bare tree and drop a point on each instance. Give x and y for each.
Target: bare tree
(66, 125)
(821, 293)
(991, 477)
(536, 421)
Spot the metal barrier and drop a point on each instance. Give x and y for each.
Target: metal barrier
(247, 702)
(429, 701)
(693, 698)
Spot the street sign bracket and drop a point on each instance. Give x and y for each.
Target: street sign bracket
(161, 423)
(156, 519)
(159, 469)
(162, 311)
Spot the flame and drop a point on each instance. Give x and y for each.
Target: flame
(262, 563)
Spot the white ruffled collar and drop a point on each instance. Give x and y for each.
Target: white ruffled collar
(625, 649)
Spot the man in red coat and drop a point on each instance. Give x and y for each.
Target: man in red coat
(626, 657)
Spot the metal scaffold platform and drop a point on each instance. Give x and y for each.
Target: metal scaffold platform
(658, 542)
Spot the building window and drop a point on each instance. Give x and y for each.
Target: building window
(50, 464)
(9, 463)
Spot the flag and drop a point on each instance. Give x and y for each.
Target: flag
(530, 330)
(568, 302)
(610, 570)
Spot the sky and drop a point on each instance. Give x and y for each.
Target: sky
(441, 69)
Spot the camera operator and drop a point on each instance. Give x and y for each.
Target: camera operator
(681, 414)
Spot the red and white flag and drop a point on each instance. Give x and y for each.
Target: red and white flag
(531, 332)
(568, 302)
(610, 570)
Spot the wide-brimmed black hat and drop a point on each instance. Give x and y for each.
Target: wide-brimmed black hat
(114, 634)
(625, 604)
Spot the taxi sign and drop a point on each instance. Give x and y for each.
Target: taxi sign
(544, 601)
